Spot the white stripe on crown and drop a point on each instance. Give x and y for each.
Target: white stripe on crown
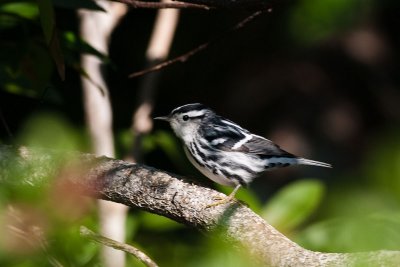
(195, 113)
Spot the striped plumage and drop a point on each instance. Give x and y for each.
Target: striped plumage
(225, 152)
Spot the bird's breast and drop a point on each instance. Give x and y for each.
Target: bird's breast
(209, 169)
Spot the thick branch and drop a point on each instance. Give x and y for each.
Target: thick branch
(166, 194)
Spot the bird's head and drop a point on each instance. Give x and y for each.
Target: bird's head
(186, 120)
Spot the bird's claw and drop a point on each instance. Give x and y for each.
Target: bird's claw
(221, 200)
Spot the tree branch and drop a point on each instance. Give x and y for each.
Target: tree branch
(85, 232)
(172, 196)
(199, 4)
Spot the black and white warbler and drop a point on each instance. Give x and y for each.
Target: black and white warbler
(225, 152)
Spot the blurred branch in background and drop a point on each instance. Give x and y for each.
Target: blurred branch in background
(158, 50)
(162, 5)
(152, 190)
(96, 28)
(184, 57)
(202, 4)
(22, 227)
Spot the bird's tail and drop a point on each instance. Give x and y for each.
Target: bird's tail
(304, 161)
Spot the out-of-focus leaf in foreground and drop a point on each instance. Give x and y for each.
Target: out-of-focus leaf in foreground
(362, 233)
(294, 204)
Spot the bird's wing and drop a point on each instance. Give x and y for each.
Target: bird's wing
(228, 136)
(222, 137)
(261, 146)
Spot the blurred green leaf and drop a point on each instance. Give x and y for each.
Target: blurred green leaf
(382, 168)
(132, 225)
(172, 147)
(294, 204)
(47, 130)
(362, 233)
(357, 200)
(26, 10)
(314, 20)
(217, 252)
(157, 223)
(26, 65)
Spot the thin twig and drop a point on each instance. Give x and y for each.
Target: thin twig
(30, 234)
(85, 232)
(161, 5)
(186, 56)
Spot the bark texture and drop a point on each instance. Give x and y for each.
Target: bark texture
(172, 196)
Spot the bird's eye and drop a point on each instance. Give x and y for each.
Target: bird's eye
(185, 117)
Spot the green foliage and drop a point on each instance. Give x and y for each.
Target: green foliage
(218, 253)
(293, 205)
(156, 223)
(39, 224)
(47, 130)
(169, 144)
(363, 215)
(21, 53)
(26, 58)
(352, 234)
(313, 20)
(25, 10)
(382, 168)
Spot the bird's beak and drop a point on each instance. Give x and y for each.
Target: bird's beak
(163, 118)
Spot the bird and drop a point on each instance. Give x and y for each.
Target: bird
(225, 152)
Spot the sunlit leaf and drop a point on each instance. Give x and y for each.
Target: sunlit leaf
(293, 204)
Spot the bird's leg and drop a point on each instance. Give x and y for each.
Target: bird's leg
(226, 199)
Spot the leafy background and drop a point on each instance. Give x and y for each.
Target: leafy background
(320, 78)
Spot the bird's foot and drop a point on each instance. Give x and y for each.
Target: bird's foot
(221, 200)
